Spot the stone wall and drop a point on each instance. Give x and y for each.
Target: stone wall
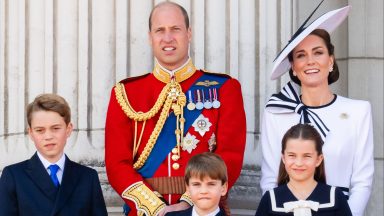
(79, 49)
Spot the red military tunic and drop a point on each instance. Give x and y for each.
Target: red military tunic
(228, 126)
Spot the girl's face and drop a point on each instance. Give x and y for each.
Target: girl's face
(301, 159)
(311, 62)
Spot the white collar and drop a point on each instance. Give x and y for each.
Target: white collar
(46, 163)
(194, 212)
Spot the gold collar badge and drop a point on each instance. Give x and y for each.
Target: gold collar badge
(180, 74)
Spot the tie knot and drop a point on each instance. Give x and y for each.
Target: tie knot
(53, 168)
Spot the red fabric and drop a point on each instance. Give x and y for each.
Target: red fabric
(228, 124)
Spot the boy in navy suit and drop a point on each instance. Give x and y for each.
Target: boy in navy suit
(49, 183)
(206, 182)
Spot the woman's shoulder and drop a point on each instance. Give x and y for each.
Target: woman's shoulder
(359, 106)
(349, 101)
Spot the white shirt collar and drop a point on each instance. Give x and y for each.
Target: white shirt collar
(194, 212)
(46, 163)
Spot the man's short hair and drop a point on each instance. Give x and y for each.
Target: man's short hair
(183, 11)
(206, 164)
(49, 102)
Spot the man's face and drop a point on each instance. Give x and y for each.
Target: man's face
(169, 36)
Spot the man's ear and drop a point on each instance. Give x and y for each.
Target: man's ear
(149, 38)
(189, 34)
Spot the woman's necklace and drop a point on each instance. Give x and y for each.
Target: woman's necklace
(301, 193)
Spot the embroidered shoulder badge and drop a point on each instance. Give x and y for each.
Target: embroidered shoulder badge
(207, 83)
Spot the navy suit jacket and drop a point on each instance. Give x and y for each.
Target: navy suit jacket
(27, 189)
(188, 212)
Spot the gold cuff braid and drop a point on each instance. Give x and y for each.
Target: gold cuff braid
(186, 198)
(145, 200)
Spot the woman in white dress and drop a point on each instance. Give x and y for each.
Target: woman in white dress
(344, 124)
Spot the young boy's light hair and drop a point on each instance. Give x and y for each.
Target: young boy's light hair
(49, 102)
(206, 164)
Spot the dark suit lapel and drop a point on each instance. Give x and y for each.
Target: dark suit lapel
(40, 177)
(221, 213)
(69, 182)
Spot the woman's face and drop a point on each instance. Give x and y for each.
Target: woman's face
(311, 62)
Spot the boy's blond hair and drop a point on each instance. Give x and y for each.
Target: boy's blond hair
(49, 102)
(206, 164)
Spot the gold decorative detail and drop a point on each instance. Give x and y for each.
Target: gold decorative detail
(207, 83)
(145, 200)
(122, 99)
(174, 150)
(175, 157)
(180, 74)
(175, 166)
(186, 198)
(171, 96)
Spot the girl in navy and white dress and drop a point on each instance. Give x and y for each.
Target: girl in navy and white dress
(301, 187)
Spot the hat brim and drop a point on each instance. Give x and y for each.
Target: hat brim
(328, 22)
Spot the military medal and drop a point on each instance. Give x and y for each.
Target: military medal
(208, 103)
(216, 103)
(189, 143)
(199, 104)
(212, 143)
(202, 125)
(191, 105)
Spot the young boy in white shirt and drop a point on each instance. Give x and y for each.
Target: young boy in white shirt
(49, 183)
(206, 181)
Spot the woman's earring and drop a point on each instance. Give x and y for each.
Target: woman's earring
(330, 69)
(294, 73)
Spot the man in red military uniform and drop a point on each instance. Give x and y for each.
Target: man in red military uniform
(157, 121)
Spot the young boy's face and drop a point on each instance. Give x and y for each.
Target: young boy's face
(206, 193)
(49, 132)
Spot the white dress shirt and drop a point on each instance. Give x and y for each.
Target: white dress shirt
(60, 163)
(194, 212)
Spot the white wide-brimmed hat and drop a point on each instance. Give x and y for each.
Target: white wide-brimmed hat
(328, 22)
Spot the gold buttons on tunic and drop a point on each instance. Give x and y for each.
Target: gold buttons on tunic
(175, 157)
(175, 166)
